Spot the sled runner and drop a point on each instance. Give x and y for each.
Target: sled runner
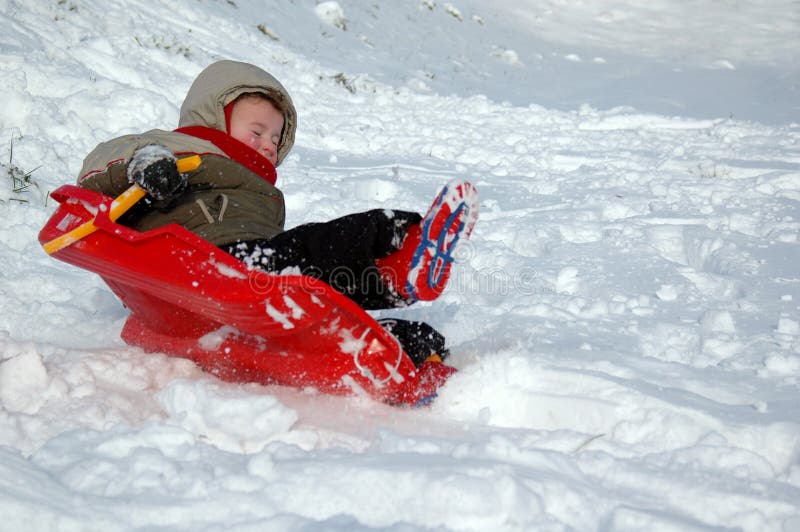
(190, 299)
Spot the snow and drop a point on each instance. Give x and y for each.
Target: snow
(625, 318)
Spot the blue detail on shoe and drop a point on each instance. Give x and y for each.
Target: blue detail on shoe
(443, 256)
(426, 401)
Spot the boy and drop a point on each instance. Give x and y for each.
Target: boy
(242, 121)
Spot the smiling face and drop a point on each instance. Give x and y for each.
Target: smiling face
(256, 122)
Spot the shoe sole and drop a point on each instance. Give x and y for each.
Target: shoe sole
(451, 217)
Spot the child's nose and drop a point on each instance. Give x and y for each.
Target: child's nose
(270, 149)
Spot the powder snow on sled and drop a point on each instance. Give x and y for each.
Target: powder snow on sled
(190, 299)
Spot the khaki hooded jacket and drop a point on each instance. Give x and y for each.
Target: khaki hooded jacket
(225, 202)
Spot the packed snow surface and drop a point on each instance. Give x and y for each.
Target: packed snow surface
(625, 317)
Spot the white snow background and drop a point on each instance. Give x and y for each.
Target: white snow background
(625, 318)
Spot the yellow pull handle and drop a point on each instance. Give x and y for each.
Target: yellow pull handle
(188, 164)
(119, 206)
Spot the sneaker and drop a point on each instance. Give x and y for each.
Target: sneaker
(420, 269)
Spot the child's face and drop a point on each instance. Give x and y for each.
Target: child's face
(257, 123)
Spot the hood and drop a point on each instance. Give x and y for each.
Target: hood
(224, 81)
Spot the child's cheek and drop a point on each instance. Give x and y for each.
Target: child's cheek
(252, 141)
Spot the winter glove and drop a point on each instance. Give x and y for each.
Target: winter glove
(154, 168)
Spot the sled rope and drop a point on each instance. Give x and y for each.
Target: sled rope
(119, 206)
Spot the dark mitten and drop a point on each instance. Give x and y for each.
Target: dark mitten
(155, 169)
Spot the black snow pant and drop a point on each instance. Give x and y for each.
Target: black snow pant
(342, 253)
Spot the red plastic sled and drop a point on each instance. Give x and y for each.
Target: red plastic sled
(190, 299)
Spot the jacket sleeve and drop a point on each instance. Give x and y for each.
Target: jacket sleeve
(105, 168)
